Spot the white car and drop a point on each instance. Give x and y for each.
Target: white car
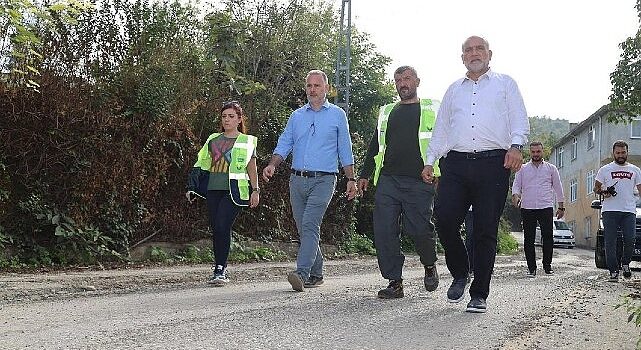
(561, 233)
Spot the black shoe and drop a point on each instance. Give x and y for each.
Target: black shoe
(531, 274)
(627, 273)
(477, 305)
(313, 282)
(456, 290)
(296, 280)
(549, 271)
(431, 278)
(394, 290)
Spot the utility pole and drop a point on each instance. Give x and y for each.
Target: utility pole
(343, 57)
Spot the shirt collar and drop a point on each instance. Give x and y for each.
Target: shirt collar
(487, 75)
(325, 105)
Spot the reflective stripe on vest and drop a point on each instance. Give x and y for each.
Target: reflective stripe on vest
(429, 109)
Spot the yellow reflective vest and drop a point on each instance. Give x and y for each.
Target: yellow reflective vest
(241, 154)
(429, 109)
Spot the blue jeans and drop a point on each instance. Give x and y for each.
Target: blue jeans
(310, 197)
(612, 220)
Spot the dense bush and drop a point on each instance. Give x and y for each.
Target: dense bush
(97, 160)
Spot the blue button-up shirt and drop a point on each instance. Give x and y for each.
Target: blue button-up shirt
(318, 140)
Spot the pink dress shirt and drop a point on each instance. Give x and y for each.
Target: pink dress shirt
(537, 186)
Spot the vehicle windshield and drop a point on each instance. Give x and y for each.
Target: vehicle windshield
(638, 202)
(561, 225)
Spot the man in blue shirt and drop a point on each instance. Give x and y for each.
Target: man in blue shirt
(317, 135)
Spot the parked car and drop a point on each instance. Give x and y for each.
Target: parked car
(561, 233)
(599, 250)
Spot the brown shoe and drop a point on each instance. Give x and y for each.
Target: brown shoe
(394, 290)
(296, 280)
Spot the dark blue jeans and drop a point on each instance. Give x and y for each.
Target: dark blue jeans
(612, 220)
(222, 214)
(482, 183)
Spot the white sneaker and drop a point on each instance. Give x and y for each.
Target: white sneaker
(219, 277)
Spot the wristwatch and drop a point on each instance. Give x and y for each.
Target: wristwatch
(351, 179)
(517, 146)
(561, 209)
(257, 190)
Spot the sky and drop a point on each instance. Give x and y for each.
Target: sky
(560, 52)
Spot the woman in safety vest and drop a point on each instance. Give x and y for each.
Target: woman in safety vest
(226, 175)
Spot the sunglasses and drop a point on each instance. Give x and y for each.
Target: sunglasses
(231, 103)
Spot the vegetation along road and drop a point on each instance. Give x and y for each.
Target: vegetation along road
(173, 308)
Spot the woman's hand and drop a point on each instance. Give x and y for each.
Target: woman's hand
(254, 199)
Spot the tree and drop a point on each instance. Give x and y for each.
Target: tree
(626, 79)
(20, 21)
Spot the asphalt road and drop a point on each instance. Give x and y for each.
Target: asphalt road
(157, 309)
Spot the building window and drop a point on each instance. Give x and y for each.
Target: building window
(589, 182)
(591, 136)
(635, 128)
(588, 227)
(573, 190)
(559, 157)
(574, 148)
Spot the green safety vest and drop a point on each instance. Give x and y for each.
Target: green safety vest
(241, 153)
(429, 108)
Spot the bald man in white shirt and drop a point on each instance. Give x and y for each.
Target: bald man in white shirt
(481, 129)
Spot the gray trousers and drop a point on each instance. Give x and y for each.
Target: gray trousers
(413, 198)
(310, 197)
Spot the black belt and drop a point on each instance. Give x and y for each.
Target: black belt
(477, 155)
(305, 173)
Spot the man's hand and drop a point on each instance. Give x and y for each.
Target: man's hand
(190, 199)
(428, 174)
(268, 172)
(513, 159)
(362, 185)
(351, 191)
(516, 200)
(559, 213)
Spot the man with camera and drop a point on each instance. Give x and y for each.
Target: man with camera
(618, 207)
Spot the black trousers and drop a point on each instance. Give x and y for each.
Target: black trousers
(406, 200)
(222, 214)
(545, 219)
(483, 183)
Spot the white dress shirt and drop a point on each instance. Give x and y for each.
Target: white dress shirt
(479, 116)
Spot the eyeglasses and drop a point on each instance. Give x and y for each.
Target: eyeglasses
(231, 103)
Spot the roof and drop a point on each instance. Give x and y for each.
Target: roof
(583, 125)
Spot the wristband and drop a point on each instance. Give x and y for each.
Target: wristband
(351, 179)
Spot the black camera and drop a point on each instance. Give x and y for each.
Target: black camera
(611, 190)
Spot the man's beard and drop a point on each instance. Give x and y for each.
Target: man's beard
(476, 66)
(406, 94)
(537, 159)
(621, 160)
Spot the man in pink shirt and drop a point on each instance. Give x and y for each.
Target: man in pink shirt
(534, 189)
